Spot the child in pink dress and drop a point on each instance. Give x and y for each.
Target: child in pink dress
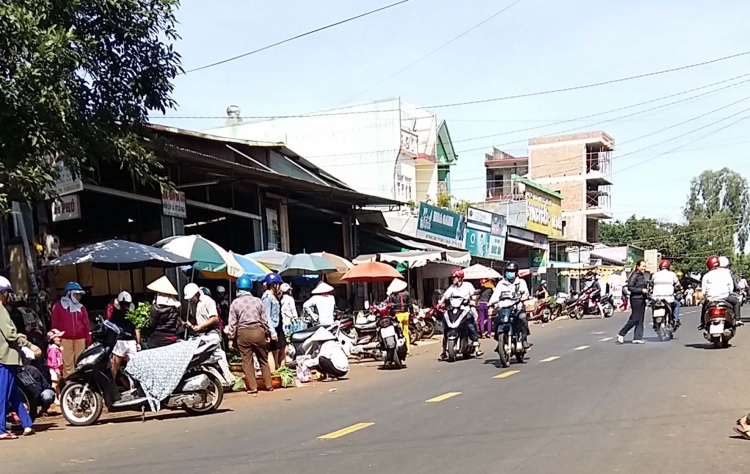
(55, 360)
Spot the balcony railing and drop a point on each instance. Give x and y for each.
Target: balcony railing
(599, 163)
(599, 200)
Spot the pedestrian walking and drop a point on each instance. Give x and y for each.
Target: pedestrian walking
(10, 360)
(71, 317)
(248, 325)
(638, 290)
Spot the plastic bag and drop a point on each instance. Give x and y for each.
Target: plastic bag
(304, 374)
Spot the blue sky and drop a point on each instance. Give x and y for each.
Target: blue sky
(535, 45)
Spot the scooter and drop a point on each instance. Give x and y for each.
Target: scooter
(720, 324)
(663, 319)
(456, 330)
(92, 387)
(429, 318)
(508, 334)
(391, 341)
(586, 304)
(543, 311)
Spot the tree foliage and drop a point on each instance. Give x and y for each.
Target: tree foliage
(77, 81)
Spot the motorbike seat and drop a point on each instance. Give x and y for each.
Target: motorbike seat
(303, 335)
(366, 326)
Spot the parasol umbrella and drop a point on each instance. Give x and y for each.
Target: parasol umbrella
(118, 254)
(480, 272)
(371, 272)
(251, 268)
(342, 265)
(208, 256)
(272, 259)
(305, 264)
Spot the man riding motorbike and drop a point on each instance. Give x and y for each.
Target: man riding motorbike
(717, 285)
(462, 289)
(512, 284)
(665, 284)
(734, 297)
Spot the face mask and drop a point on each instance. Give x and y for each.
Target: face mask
(76, 297)
(510, 276)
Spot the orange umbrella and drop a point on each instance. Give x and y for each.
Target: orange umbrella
(370, 272)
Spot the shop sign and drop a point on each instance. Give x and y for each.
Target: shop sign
(538, 260)
(652, 258)
(173, 203)
(484, 221)
(440, 225)
(634, 254)
(543, 213)
(409, 141)
(66, 208)
(485, 245)
(65, 183)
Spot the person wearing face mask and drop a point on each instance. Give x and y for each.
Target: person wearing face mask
(513, 288)
(71, 317)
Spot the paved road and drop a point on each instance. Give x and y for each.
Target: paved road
(580, 404)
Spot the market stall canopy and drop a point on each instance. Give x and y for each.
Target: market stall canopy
(305, 264)
(272, 259)
(480, 272)
(370, 272)
(342, 265)
(208, 256)
(418, 258)
(121, 255)
(251, 268)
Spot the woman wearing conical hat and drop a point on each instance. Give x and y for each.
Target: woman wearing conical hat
(165, 323)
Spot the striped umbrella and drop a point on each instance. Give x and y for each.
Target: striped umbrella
(254, 269)
(208, 256)
(273, 259)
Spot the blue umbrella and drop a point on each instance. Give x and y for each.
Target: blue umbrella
(305, 264)
(120, 255)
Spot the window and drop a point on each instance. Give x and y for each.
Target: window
(403, 188)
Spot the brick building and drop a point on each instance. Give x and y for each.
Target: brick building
(579, 167)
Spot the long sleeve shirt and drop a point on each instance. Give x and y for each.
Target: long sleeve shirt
(10, 340)
(332, 351)
(324, 306)
(245, 312)
(665, 282)
(273, 309)
(506, 294)
(75, 324)
(717, 284)
(636, 284)
(288, 309)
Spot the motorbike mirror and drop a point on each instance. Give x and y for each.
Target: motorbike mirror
(367, 305)
(438, 291)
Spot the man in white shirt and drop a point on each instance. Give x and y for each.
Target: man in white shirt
(331, 360)
(717, 285)
(510, 289)
(665, 282)
(322, 305)
(462, 289)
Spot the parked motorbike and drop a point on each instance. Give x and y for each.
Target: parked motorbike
(508, 335)
(457, 331)
(391, 341)
(92, 386)
(567, 304)
(543, 311)
(586, 304)
(720, 324)
(299, 341)
(430, 318)
(663, 319)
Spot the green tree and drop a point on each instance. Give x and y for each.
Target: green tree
(666, 237)
(721, 199)
(78, 80)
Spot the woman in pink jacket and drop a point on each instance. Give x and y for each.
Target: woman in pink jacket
(71, 317)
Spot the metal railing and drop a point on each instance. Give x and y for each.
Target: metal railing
(599, 162)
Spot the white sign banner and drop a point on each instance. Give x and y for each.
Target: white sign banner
(65, 183)
(66, 208)
(479, 219)
(173, 203)
(409, 141)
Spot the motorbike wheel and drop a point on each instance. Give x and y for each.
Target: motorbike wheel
(70, 409)
(718, 343)
(608, 310)
(393, 357)
(30, 403)
(451, 352)
(414, 333)
(578, 313)
(724, 342)
(520, 356)
(429, 330)
(546, 315)
(556, 313)
(215, 391)
(504, 355)
(662, 333)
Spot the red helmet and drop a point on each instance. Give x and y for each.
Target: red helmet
(713, 262)
(664, 263)
(457, 272)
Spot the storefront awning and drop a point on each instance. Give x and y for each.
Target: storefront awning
(461, 258)
(418, 258)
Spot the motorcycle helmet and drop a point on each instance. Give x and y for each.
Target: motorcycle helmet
(458, 273)
(713, 262)
(221, 290)
(206, 291)
(723, 262)
(511, 271)
(190, 290)
(664, 264)
(74, 287)
(243, 283)
(5, 284)
(273, 278)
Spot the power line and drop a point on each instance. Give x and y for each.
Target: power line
(587, 86)
(316, 30)
(486, 20)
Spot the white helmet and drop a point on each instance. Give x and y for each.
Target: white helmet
(221, 289)
(723, 262)
(5, 284)
(124, 300)
(190, 290)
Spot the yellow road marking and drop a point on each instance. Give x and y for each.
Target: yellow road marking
(506, 374)
(442, 397)
(605, 339)
(580, 348)
(345, 431)
(550, 359)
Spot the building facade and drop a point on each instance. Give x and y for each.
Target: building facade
(579, 167)
(390, 149)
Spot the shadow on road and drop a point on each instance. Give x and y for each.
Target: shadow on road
(158, 417)
(702, 345)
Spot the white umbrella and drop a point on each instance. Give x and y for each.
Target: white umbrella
(480, 272)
